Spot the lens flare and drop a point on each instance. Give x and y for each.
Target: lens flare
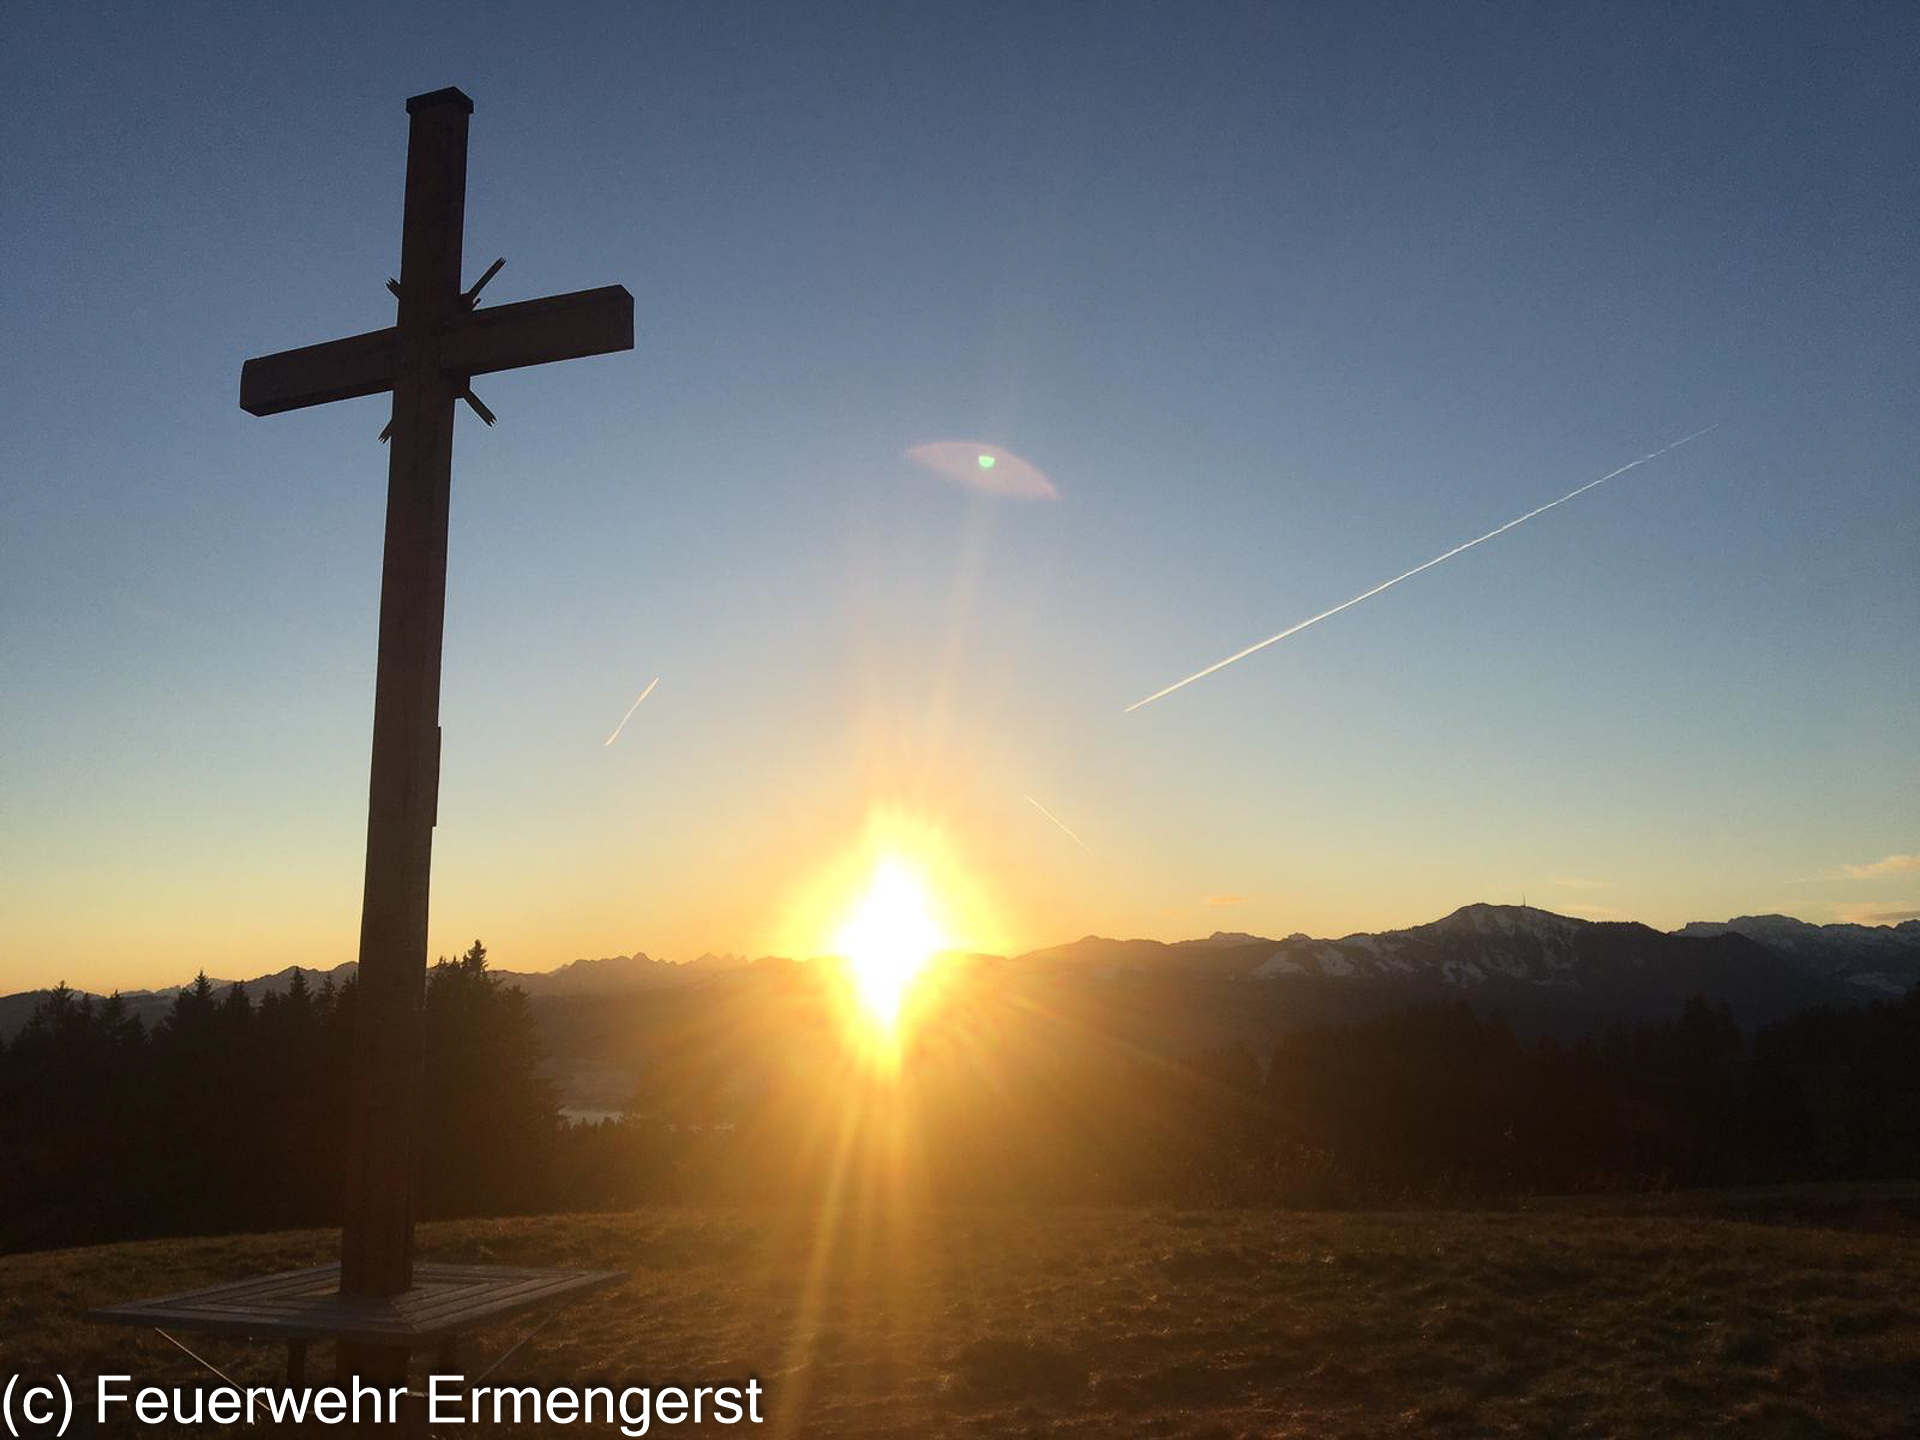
(985, 469)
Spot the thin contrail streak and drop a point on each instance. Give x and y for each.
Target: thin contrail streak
(630, 709)
(1408, 575)
(1056, 820)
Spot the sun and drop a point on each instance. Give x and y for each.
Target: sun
(890, 912)
(889, 940)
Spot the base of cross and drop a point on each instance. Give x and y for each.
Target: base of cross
(377, 1336)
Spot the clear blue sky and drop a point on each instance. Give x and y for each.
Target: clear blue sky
(1282, 300)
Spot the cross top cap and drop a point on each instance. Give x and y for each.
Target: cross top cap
(452, 95)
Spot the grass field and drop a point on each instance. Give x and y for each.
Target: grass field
(1549, 1322)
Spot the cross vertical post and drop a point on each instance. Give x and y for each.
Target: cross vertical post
(376, 1254)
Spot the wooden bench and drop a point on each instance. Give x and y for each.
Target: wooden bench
(301, 1306)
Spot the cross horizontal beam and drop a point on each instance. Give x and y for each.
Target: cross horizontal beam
(504, 337)
(533, 332)
(314, 374)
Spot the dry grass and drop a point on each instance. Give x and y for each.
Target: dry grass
(1102, 1323)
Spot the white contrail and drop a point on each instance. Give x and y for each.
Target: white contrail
(1056, 820)
(630, 709)
(1408, 575)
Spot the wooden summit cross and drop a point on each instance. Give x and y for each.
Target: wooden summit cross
(428, 359)
(374, 1303)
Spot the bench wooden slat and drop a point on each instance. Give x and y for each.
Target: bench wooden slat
(306, 1304)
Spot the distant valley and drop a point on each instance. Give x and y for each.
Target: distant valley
(1545, 973)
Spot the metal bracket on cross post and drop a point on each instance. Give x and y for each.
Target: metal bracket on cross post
(472, 292)
(478, 408)
(386, 432)
(478, 405)
(468, 299)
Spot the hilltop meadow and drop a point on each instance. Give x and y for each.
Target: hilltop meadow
(1563, 1319)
